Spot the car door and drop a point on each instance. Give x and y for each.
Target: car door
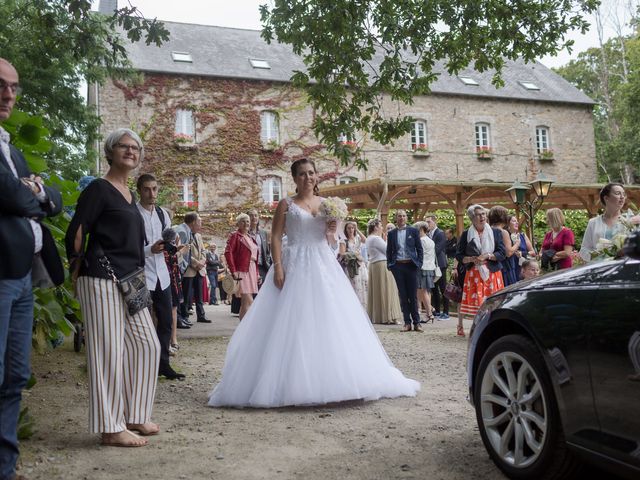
(614, 357)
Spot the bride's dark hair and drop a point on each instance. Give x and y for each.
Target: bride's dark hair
(294, 171)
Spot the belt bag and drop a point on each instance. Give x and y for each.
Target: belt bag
(133, 286)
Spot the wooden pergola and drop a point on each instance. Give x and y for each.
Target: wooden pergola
(422, 196)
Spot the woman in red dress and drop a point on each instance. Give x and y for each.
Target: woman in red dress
(242, 259)
(559, 239)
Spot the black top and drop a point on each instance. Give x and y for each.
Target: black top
(113, 222)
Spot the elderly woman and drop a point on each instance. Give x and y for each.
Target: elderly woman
(242, 260)
(350, 256)
(481, 250)
(383, 303)
(498, 218)
(557, 246)
(122, 349)
(607, 225)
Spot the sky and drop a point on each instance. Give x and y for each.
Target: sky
(245, 14)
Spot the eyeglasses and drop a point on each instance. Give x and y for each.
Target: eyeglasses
(14, 88)
(124, 147)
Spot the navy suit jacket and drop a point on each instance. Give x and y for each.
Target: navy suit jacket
(17, 205)
(413, 247)
(440, 240)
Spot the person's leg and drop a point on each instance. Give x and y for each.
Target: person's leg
(141, 360)
(197, 291)
(435, 299)
(103, 312)
(398, 275)
(412, 292)
(162, 307)
(16, 320)
(441, 286)
(187, 285)
(212, 276)
(174, 326)
(245, 302)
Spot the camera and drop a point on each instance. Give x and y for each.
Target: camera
(170, 248)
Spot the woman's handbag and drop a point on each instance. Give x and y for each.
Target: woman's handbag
(133, 286)
(230, 285)
(453, 292)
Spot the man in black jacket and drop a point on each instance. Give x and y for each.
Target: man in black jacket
(439, 238)
(26, 243)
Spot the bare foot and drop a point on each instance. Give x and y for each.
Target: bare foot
(145, 429)
(125, 438)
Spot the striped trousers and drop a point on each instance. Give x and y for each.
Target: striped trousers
(122, 357)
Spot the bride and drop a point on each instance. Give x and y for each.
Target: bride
(306, 339)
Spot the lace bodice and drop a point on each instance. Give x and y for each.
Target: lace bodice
(303, 228)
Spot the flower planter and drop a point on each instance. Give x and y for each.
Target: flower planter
(421, 153)
(186, 145)
(545, 158)
(485, 156)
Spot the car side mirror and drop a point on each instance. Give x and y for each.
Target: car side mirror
(632, 245)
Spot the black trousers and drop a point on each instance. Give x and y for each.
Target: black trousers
(162, 309)
(438, 292)
(406, 276)
(192, 287)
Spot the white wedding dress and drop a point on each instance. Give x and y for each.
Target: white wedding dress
(311, 342)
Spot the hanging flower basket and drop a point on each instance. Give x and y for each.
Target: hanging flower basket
(545, 155)
(420, 150)
(182, 141)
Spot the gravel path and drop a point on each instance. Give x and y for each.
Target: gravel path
(433, 436)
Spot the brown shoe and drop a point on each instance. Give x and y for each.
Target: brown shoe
(407, 328)
(417, 328)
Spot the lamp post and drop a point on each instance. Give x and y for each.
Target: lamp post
(519, 195)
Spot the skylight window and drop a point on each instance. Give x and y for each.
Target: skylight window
(181, 57)
(255, 63)
(468, 81)
(530, 85)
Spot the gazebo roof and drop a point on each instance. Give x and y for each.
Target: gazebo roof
(425, 195)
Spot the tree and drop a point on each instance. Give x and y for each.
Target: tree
(57, 44)
(357, 51)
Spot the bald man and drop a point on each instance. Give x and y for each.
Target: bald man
(26, 244)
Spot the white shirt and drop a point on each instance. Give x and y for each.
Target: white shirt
(376, 249)
(155, 266)
(41, 195)
(597, 229)
(428, 253)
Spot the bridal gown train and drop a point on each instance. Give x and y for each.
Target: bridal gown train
(311, 342)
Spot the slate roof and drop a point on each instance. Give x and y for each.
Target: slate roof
(225, 52)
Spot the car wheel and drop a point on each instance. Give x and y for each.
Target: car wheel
(517, 413)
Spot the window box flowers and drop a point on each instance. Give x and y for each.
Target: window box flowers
(184, 141)
(484, 153)
(545, 155)
(420, 149)
(271, 145)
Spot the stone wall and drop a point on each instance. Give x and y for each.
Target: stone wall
(229, 162)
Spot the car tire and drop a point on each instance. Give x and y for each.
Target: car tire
(517, 412)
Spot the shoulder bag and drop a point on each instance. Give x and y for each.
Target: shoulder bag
(133, 286)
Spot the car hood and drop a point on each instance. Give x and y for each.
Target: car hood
(590, 274)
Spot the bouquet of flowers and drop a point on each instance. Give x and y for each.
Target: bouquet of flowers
(612, 248)
(351, 264)
(334, 209)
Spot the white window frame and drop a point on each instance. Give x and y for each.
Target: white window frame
(269, 127)
(185, 123)
(188, 194)
(271, 189)
(543, 139)
(483, 135)
(418, 134)
(346, 179)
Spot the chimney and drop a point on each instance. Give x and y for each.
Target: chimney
(108, 7)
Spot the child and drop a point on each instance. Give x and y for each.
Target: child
(530, 269)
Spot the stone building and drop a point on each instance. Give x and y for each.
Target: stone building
(221, 123)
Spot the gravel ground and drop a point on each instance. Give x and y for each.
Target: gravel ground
(431, 436)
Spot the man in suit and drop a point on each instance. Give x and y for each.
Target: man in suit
(195, 271)
(26, 243)
(156, 271)
(440, 239)
(259, 235)
(404, 259)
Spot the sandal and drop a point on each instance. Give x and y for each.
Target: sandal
(461, 331)
(431, 318)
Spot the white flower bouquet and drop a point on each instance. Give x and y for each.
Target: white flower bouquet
(612, 248)
(334, 209)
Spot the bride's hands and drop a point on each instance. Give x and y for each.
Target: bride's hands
(278, 276)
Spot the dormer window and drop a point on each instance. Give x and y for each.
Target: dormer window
(530, 85)
(181, 57)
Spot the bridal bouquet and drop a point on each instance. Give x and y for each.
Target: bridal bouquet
(334, 209)
(606, 248)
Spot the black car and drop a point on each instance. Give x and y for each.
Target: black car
(554, 372)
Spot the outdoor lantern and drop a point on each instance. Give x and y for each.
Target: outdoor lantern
(541, 185)
(518, 192)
